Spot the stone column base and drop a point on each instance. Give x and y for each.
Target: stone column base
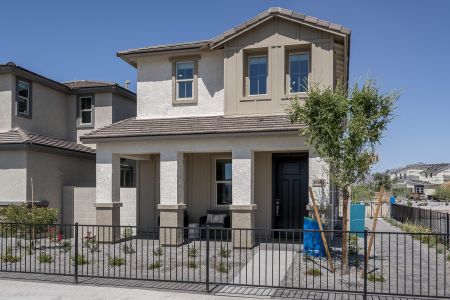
(171, 215)
(242, 218)
(108, 214)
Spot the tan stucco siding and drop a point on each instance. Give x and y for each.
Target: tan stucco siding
(50, 172)
(275, 37)
(154, 87)
(263, 189)
(48, 108)
(13, 176)
(123, 108)
(6, 101)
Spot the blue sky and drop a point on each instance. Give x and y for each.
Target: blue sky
(403, 44)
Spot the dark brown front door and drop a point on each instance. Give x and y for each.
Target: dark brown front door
(290, 195)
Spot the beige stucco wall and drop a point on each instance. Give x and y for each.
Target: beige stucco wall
(128, 211)
(13, 176)
(78, 205)
(6, 102)
(154, 87)
(49, 109)
(275, 37)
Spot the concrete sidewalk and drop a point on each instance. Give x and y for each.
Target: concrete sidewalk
(31, 290)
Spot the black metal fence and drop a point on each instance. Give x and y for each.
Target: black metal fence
(399, 263)
(437, 221)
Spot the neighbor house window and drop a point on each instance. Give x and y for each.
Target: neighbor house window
(257, 75)
(223, 181)
(23, 106)
(185, 80)
(86, 110)
(298, 72)
(127, 173)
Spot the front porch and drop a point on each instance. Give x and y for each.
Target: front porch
(256, 182)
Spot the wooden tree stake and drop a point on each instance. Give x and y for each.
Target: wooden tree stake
(316, 213)
(375, 220)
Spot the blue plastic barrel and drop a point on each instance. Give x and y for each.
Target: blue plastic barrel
(312, 241)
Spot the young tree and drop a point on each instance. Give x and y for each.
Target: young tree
(382, 180)
(344, 127)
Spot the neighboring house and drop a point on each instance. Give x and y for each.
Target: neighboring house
(421, 178)
(211, 132)
(41, 121)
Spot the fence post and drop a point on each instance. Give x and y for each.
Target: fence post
(366, 259)
(76, 253)
(207, 258)
(448, 230)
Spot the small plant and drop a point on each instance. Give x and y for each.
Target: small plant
(375, 278)
(66, 246)
(192, 264)
(353, 244)
(79, 260)
(90, 242)
(409, 203)
(419, 232)
(156, 265)
(448, 257)
(223, 267)
(127, 233)
(440, 248)
(128, 249)
(45, 258)
(158, 251)
(9, 257)
(314, 272)
(223, 252)
(116, 261)
(192, 251)
(54, 236)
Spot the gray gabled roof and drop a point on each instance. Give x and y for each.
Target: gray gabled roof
(78, 84)
(192, 125)
(18, 136)
(235, 31)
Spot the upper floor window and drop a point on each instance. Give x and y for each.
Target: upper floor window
(257, 75)
(223, 181)
(185, 80)
(298, 72)
(86, 110)
(23, 99)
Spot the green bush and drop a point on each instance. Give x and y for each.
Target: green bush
(224, 252)
(314, 272)
(223, 267)
(79, 260)
(375, 278)
(127, 233)
(22, 214)
(361, 193)
(442, 193)
(9, 257)
(116, 261)
(192, 264)
(45, 258)
(158, 251)
(156, 265)
(192, 251)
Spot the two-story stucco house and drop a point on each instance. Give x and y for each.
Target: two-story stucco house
(211, 132)
(41, 121)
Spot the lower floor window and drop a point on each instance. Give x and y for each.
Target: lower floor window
(127, 173)
(223, 181)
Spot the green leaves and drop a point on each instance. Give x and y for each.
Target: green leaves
(345, 128)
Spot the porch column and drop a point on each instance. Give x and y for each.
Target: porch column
(172, 206)
(107, 201)
(243, 207)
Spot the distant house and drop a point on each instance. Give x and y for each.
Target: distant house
(421, 178)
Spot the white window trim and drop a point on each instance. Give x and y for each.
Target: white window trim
(91, 110)
(289, 71)
(267, 74)
(27, 99)
(184, 80)
(216, 204)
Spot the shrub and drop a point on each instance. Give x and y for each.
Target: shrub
(223, 252)
(158, 251)
(419, 232)
(116, 261)
(314, 272)
(66, 246)
(156, 265)
(45, 258)
(223, 267)
(442, 193)
(90, 242)
(128, 249)
(22, 214)
(192, 251)
(79, 260)
(127, 233)
(192, 264)
(9, 257)
(375, 278)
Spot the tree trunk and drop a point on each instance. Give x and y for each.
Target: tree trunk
(345, 197)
